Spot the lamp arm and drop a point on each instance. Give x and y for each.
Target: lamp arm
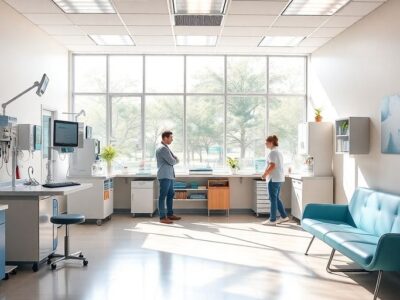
(4, 105)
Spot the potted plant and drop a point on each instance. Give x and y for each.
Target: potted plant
(233, 164)
(108, 154)
(344, 127)
(318, 114)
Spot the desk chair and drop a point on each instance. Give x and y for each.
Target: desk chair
(66, 219)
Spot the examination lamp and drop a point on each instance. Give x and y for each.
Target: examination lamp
(76, 115)
(41, 88)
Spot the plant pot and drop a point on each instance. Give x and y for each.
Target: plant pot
(234, 171)
(109, 168)
(318, 119)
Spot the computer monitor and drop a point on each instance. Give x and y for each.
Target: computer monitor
(65, 134)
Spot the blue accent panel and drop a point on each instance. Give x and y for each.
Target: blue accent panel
(55, 232)
(367, 231)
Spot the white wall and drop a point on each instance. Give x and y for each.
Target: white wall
(349, 77)
(25, 54)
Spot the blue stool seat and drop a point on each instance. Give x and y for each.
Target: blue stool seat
(68, 219)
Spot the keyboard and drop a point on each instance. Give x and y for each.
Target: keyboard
(60, 184)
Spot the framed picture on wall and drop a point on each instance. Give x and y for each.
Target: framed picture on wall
(390, 125)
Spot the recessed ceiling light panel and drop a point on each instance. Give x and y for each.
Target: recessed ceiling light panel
(280, 41)
(85, 6)
(196, 40)
(314, 7)
(112, 40)
(199, 6)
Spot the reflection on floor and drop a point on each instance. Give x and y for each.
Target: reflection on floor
(196, 258)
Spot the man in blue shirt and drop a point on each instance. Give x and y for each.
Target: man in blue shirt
(166, 176)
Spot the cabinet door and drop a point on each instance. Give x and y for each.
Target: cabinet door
(218, 198)
(142, 201)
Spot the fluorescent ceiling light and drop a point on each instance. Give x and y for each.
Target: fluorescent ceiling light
(280, 41)
(314, 7)
(196, 40)
(85, 6)
(199, 6)
(112, 40)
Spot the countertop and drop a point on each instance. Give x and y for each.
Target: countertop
(3, 207)
(103, 177)
(187, 175)
(35, 191)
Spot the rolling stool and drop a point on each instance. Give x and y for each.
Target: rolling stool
(66, 219)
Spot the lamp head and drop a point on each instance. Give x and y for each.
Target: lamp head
(42, 85)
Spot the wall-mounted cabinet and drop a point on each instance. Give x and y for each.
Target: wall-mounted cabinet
(352, 135)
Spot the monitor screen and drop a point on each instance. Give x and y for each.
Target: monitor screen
(65, 134)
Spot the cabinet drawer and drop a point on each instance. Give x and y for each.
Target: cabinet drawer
(142, 184)
(297, 184)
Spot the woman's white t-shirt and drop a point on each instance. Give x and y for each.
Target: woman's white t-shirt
(276, 157)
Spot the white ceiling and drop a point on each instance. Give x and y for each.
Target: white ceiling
(151, 26)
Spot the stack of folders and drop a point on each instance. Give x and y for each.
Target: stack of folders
(201, 171)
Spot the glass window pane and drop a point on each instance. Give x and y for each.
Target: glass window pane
(205, 74)
(90, 74)
(246, 129)
(247, 74)
(164, 74)
(126, 131)
(126, 74)
(205, 127)
(285, 115)
(163, 113)
(287, 75)
(95, 108)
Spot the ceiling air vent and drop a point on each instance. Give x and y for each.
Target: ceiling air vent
(198, 20)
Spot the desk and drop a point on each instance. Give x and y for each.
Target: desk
(30, 236)
(2, 241)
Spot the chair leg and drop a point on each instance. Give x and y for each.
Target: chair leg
(330, 270)
(309, 245)
(378, 283)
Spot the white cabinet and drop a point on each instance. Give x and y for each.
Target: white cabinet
(307, 190)
(96, 203)
(143, 197)
(261, 202)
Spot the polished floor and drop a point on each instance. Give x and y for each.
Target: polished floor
(197, 258)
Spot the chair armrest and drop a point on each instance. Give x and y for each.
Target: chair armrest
(333, 212)
(386, 257)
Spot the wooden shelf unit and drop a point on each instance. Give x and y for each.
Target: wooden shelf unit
(218, 195)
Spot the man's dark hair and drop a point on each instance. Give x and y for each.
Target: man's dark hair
(166, 134)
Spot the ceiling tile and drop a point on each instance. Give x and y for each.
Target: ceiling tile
(146, 19)
(314, 42)
(150, 30)
(153, 40)
(327, 31)
(48, 19)
(244, 31)
(95, 19)
(197, 30)
(142, 6)
(290, 31)
(272, 8)
(239, 41)
(89, 29)
(35, 6)
(248, 20)
(300, 21)
(358, 8)
(341, 21)
(62, 29)
(74, 40)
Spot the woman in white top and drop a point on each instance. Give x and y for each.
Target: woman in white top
(276, 176)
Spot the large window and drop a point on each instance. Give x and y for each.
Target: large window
(217, 106)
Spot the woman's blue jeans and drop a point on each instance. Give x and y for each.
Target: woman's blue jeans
(274, 190)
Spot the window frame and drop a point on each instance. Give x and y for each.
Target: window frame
(185, 94)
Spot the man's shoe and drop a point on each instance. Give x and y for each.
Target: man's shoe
(269, 223)
(283, 220)
(166, 221)
(174, 218)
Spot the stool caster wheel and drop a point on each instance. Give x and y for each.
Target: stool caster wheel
(35, 267)
(80, 255)
(49, 261)
(53, 266)
(14, 272)
(99, 222)
(85, 262)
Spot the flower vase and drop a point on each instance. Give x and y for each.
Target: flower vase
(234, 171)
(109, 168)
